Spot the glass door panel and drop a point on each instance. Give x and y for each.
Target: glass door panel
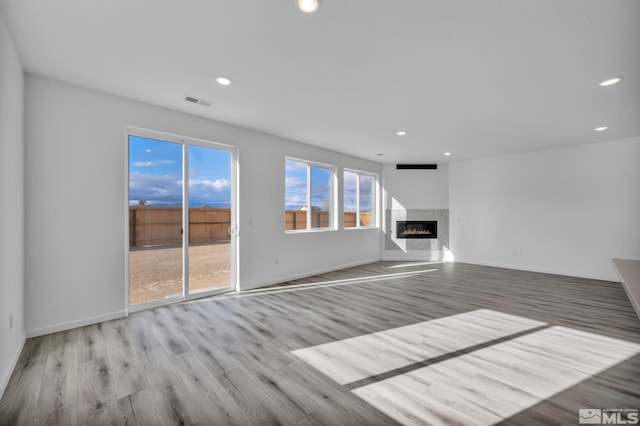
(211, 226)
(155, 220)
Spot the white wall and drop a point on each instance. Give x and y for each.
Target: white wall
(75, 180)
(414, 190)
(11, 204)
(566, 211)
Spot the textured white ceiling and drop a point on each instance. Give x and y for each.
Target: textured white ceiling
(477, 78)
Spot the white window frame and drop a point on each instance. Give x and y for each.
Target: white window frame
(332, 196)
(375, 203)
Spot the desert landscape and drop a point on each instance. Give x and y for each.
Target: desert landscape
(156, 273)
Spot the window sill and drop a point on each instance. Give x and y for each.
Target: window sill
(310, 231)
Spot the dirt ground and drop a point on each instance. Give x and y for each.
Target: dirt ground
(156, 273)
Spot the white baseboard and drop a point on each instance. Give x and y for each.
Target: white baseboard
(75, 324)
(310, 273)
(612, 278)
(4, 380)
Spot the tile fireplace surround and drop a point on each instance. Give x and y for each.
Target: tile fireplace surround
(435, 245)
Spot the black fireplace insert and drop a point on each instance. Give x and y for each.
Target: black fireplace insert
(416, 229)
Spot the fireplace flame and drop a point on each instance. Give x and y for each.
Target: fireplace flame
(415, 232)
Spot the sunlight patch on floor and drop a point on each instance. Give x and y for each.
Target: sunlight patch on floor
(357, 358)
(412, 264)
(334, 283)
(477, 367)
(496, 382)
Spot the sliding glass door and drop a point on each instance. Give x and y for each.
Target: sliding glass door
(181, 237)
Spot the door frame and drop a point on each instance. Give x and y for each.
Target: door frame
(185, 142)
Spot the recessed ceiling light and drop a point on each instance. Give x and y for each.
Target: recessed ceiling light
(380, 155)
(447, 154)
(601, 129)
(401, 133)
(307, 6)
(223, 81)
(610, 82)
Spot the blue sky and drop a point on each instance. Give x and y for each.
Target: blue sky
(155, 174)
(296, 185)
(296, 188)
(350, 192)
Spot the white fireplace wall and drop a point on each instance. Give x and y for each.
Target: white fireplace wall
(415, 195)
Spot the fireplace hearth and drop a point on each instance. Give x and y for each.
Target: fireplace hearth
(417, 229)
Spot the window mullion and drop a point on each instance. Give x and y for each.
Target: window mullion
(308, 197)
(357, 200)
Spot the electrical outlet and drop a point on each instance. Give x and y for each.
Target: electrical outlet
(277, 261)
(10, 321)
(515, 252)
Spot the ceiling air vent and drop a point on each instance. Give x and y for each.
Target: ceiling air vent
(198, 101)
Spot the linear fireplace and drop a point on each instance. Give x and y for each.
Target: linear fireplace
(417, 229)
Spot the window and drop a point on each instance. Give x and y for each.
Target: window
(308, 200)
(359, 200)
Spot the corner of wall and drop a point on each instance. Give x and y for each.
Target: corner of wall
(6, 375)
(12, 197)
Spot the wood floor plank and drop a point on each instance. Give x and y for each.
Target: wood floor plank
(159, 370)
(216, 360)
(141, 408)
(254, 404)
(91, 343)
(405, 343)
(19, 401)
(95, 383)
(60, 383)
(65, 417)
(217, 405)
(100, 413)
(127, 375)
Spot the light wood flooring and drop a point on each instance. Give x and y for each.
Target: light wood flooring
(381, 344)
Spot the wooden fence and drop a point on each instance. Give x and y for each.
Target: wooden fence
(157, 226)
(366, 219)
(152, 226)
(297, 219)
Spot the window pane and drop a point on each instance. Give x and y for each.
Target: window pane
(320, 197)
(350, 199)
(367, 201)
(295, 195)
(209, 218)
(155, 220)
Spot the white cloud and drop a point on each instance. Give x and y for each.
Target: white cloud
(218, 184)
(293, 182)
(155, 189)
(153, 163)
(295, 166)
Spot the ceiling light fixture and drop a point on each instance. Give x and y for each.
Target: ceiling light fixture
(601, 129)
(307, 6)
(401, 133)
(447, 154)
(223, 81)
(610, 82)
